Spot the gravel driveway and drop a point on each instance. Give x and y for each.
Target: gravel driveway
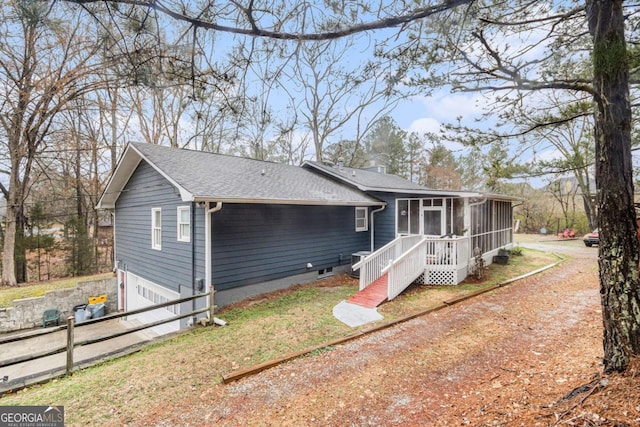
(496, 359)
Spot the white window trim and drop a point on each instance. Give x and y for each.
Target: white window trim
(156, 230)
(366, 218)
(185, 237)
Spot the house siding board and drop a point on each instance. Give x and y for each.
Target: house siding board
(385, 222)
(170, 266)
(253, 243)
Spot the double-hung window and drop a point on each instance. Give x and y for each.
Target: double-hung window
(156, 228)
(362, 224)
(184, 224)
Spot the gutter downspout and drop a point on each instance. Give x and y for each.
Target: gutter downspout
(207, 246)
(192, 236)
(114, 263)
(373, 227)
(120, 275)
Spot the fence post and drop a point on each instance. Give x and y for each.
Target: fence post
(211, 305)
(70, 320)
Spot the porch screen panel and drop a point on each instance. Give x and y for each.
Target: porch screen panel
(414, 217)
(491, 214)
(499, 220)
(403, 216)
(504, 223)
(481, 226)
(432, 222)
(491, 225)
(454, 216)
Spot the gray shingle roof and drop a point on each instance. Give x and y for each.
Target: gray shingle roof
(206, 176)
(366, 180)
(369, 179)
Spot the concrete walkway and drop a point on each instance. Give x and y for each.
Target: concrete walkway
(43, 369)
(355, 315)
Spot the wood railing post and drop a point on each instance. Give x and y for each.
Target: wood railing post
(70, 338)
(211, 303)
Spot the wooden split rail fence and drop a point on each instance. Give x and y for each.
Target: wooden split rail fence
(70, 326)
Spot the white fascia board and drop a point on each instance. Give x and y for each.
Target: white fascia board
(426, 192)
(128, 163)
(286, 202)
(503, 197)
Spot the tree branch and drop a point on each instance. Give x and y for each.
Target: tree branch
(255, 31)
(551, 18)
(4, 190)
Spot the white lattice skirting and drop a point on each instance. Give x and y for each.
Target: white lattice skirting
(437, 277)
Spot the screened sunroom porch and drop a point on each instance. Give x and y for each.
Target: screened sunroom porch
(435, 241)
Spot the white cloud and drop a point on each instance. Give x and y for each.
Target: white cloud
(423, 125)
(427, 113)
(447, 107)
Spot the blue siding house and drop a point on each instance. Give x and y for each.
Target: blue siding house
(187, 220)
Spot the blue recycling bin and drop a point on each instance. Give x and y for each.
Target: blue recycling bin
(96, 310)
(80, 313)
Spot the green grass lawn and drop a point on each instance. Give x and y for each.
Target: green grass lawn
(193, 361)
(29, 290)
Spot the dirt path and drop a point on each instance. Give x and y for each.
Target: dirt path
(494, 360)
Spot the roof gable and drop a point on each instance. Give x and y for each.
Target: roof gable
(202, 176)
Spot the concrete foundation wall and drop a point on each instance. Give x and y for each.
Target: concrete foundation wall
(230, 296)
(27, 313)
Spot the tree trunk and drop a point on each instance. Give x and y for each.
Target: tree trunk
(8, 264)
(20, 254)
(14, 206)
(618, 249)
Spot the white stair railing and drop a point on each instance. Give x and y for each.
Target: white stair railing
(441, 259)
(407, 257)
(406, 268)
(372, 266)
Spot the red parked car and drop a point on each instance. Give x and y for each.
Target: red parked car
(592, 238)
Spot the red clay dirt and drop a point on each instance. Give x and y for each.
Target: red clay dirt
(511, 357)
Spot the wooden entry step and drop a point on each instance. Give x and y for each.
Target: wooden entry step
(373, 295)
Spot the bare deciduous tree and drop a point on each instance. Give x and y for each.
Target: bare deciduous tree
(333, 92)
(45, 63)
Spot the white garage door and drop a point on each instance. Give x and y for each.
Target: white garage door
(142, 293)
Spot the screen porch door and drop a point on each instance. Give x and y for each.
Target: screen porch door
(433, 223)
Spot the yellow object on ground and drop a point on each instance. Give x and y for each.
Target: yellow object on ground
(99, 299)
